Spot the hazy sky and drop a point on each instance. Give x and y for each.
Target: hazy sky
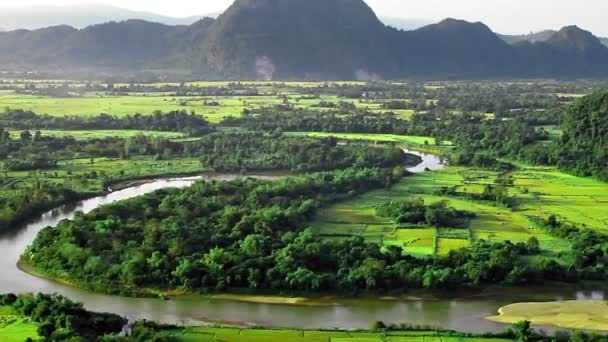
(506, 16)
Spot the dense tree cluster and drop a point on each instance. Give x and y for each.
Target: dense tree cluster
(438, 214)
(290, 119)
(257, 151)
(212, 235)
(15, 209)
(583, 148)
(60, 319)
(175, 121)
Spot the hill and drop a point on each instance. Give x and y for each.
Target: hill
(570, 52)
(301, 39)
(534, 37)
(455, 49)
(81, 16)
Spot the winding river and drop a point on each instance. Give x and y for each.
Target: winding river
(463, 311)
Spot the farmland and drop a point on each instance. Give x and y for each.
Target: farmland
(403, 140)
(215, 108)
(539, 192)
(260, 335)
(14, 327)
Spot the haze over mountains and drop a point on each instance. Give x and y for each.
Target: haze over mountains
(303, 39)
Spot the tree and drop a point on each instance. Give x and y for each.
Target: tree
(25, 136)
(523, 331)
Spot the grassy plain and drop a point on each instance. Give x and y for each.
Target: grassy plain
(393, 138)
(261, 335)
(15, 328)
(145, 103)
(583, 315)
(101, 134)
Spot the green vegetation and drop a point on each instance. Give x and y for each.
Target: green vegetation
(103, 134)
(504, 212)
(14, 327)
(392, 138)
(262, 335)
(583, 146)
(52, 318)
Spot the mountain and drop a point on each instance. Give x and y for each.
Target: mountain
(541, 36)
(81, 16)
(534, 37)
(300, 39)
(570, 52)
(405, 23)
(455, 48)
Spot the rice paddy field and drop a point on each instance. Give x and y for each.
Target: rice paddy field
(260, 335)
(14, 328)
(540, 192)
(145, 103)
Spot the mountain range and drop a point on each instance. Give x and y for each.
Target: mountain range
(541, 36)
(81, 16)
(302, 39)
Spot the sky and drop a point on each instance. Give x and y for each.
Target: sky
(504, 16)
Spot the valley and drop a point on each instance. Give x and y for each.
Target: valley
(304, 205)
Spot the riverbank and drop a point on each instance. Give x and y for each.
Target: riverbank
(581, 315)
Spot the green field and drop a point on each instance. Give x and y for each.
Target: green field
(14, 328)
(540, 192)
(393, 138)
(91, 103)
(259, 335)
(101, 134)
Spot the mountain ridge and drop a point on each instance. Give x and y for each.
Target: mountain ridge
(303, 39)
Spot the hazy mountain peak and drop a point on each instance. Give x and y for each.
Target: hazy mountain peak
(79, 16)
(573, 37)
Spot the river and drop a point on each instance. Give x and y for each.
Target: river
(459, 311)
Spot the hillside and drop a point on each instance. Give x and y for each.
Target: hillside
(298, 39)
(584, 144)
